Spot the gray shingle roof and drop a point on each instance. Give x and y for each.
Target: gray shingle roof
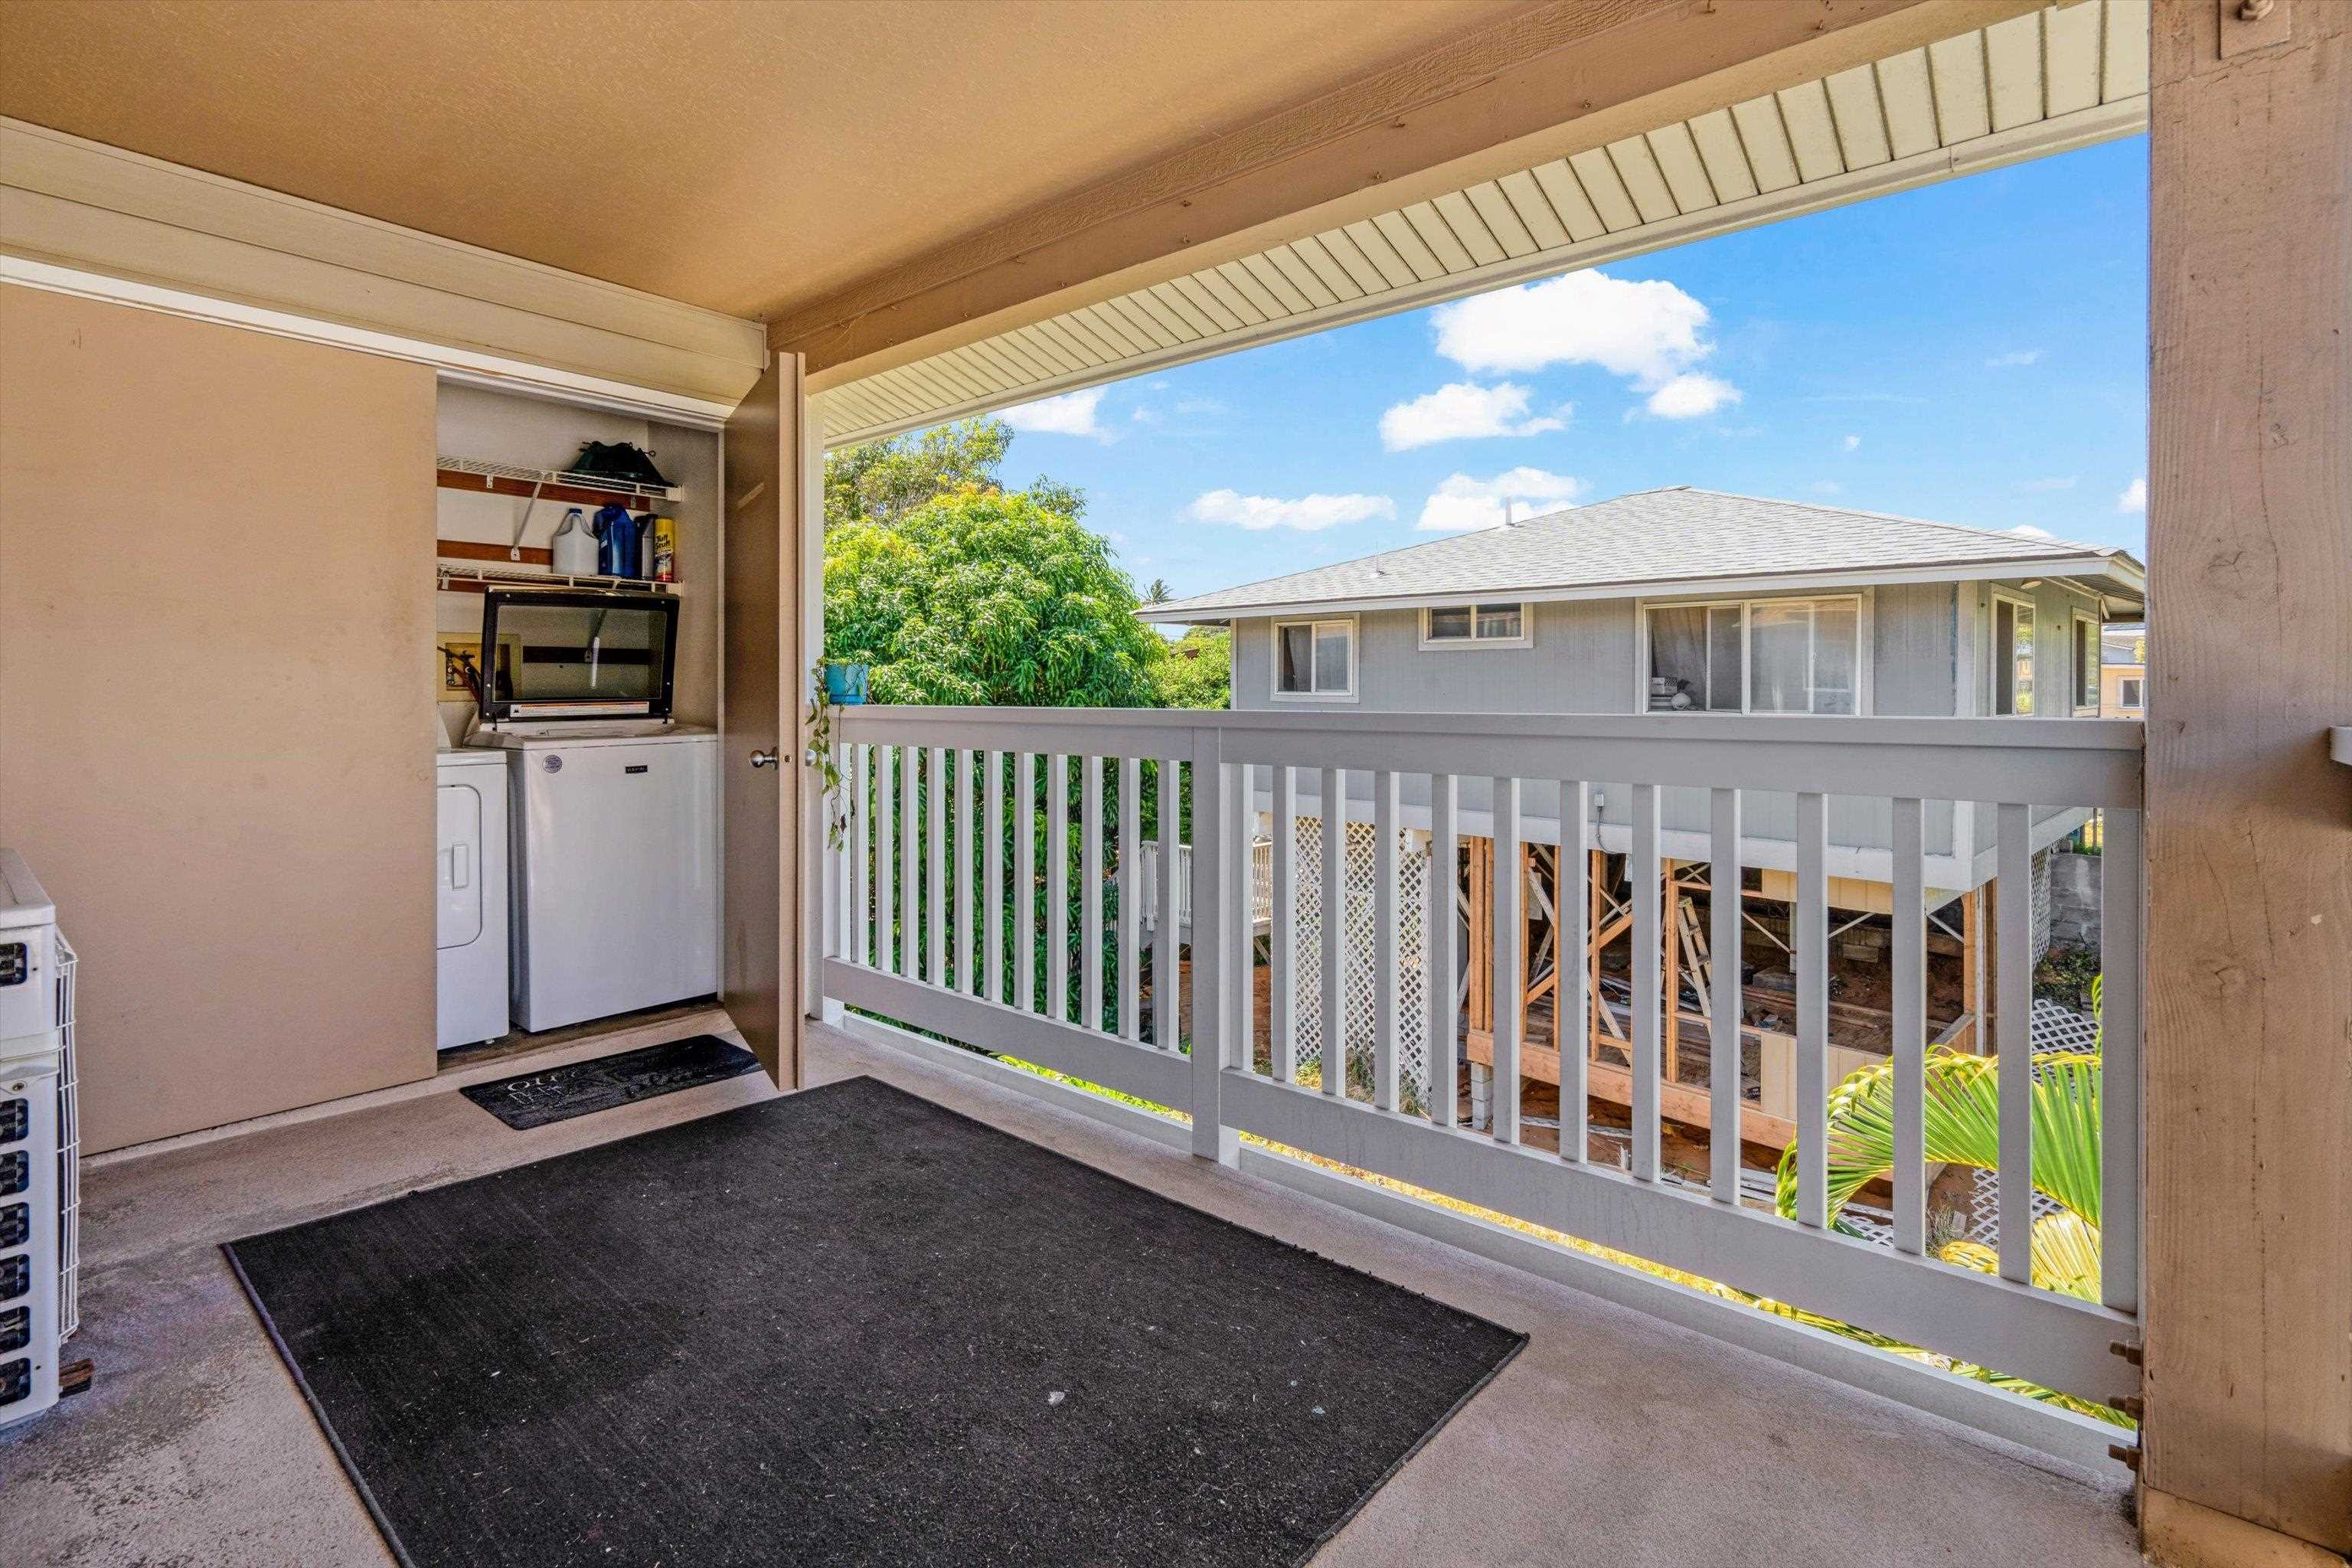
(1649, 537)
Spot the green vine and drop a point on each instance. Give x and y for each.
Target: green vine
(819, 757)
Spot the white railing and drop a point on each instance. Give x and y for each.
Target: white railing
(1148, 895)
(1065, 976)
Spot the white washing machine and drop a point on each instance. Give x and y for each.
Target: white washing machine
(614, 848)
(470, 871)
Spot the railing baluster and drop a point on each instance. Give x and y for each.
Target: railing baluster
(1090, 899)
(1130, 895)
(2120, 934)
(1167, 1005)
(1241, 915)
(967, 978)
(935, 854)
(1910, 1024)
(885, 812)
(1057, 888)
(1809, 934)
(1386, 1023)
(1571, 992)
(861, 848)
(991, 840)
(1024, 881)
(1724, 1004)
(1439, 950)
(1647, 876)
(1511, 962)
(1335, 931)
(911, 828)
(1212, 867)
(836, 856)
(1282, 933)
(2013, 1036)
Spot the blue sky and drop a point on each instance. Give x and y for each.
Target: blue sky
(1974, 351)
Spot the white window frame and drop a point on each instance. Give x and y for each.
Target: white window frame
(1996, 655)
(2131, 692)
(2085, 625)
(1864, 603)
(1527, 637)
(1273, 656)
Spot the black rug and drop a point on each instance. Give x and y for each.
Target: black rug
(848, 1326)
(536, 1099)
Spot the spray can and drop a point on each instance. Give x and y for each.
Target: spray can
(664, 549)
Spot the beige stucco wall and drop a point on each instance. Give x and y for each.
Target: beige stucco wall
(216, 744)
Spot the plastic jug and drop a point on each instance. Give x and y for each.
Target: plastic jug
(616, 539)
(574, 546)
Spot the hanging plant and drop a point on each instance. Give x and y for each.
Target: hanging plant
(820, 757)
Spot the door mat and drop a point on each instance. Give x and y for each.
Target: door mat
(848, 1326)
(536, 1099)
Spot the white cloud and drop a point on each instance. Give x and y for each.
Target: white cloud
(2134, 497)
(1460, 502)
(1826, 487)
(1460, 411)
(1648, 331)
(2012, 360)
(1198, 405)
(1691, 395)
(1851, 442)
(1307, 514)
(1072, 414)
(2030, 531)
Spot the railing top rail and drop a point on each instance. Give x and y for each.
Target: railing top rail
(2046, 762)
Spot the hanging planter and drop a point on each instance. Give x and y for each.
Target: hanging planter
(845, 684)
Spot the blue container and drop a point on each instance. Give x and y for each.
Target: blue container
(616, 542)
(845, 684)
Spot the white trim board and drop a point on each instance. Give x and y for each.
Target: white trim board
(454, 364)
(83, 206)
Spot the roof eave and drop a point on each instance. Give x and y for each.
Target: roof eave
(2117, 568)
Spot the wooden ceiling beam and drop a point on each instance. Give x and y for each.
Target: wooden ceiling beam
(1542, 83)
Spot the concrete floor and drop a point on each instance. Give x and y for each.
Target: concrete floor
(1613, 1440)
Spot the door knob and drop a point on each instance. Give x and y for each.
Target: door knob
(763, 758)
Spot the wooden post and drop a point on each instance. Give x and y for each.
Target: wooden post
(1482, 935)
(1592, 924)
(1672, 935)
(2248, 1282)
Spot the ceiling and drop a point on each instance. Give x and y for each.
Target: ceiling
(745, 158)
(2024, 87)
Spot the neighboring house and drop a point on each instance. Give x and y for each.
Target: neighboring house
(2123, 672)
(1685, 601)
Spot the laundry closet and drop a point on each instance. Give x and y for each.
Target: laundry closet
(575, 668)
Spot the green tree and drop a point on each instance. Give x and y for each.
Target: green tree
(1197, 669)
(986, 598)
(884, 479)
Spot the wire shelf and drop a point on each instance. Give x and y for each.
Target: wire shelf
(604, 484)
(448, 575)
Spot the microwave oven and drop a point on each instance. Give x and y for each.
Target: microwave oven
(574, 653)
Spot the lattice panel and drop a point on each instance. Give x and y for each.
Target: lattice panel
(1359, 932)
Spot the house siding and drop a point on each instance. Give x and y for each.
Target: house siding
(1582, 659)
(1925, 661)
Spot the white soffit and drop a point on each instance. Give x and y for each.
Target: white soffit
(2045, 82)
